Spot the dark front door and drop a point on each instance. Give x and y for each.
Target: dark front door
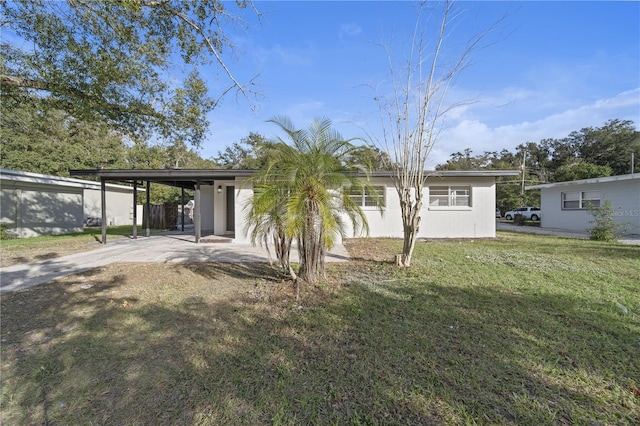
(231, 209)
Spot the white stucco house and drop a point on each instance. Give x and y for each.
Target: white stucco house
(33, 204)
(565, 205)
(458, 204)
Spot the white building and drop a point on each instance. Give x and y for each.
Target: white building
(457, 204)
(566, 204)
(33, 204)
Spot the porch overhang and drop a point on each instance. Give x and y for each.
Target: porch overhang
(180, 178)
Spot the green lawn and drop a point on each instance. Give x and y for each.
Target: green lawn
(518, 330)
(25, 250)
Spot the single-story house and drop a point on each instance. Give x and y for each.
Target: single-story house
(457, 204)
(33, 204)
(566, 204)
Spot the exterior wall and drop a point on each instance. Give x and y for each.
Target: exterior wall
(32, 209)
(33, 204)
(220, 207)
(207, 209)
(624, 196)
(119, 205)
(244, 192)
(219, 213)
(476, 221)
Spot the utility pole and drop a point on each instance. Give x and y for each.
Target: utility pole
(524, 170)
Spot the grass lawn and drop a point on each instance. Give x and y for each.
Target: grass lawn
(25, 250)
(520, 330)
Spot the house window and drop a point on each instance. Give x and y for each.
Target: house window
(449, 196)
(581, 199)
(368, 197)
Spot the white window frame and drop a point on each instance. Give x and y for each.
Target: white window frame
(365, 199)
(452, 198)
(580, 199)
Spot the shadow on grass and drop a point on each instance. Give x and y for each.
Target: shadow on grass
(242, 271)
(46, 256)
(377, 351)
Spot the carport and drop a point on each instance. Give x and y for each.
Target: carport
(179, 178)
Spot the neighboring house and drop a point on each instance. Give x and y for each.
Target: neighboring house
(457, 204)
(566, 204)
(33, 204)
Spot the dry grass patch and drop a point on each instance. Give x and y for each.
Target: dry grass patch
(477, 332)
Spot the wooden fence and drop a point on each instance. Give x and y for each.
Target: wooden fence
(162, 216)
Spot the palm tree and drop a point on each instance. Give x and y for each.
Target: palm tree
(303, 194)
(266, 215)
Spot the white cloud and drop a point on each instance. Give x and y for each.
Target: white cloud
(287, 56)
(480, 126)
(349, 30)
(291, 56)
(480, 136)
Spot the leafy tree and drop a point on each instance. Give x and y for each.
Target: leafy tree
(590, 152)
(509, 193)
(581, 170)
(563, 151)
(536, 159)
(52, 141)
(371, 157)
(109, 61)
(252, 153)
(304, 191)
(610, 145)
(249, 154)
(466, 161)
(143, 156)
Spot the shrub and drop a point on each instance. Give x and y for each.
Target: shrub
(605, 227)
(518, 219)
(4, 232)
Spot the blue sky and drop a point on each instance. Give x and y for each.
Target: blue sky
(551, 68)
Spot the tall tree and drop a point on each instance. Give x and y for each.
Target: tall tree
(581, 170)
(371, 157)
(115, 61)
(466, 161)
(412, 116)
(304, 191)
(248, 154)
(52, 141)
(610, 145)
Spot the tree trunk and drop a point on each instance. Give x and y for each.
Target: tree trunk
(282, 245)
(308, 251)
(410, 209)
(312, 250)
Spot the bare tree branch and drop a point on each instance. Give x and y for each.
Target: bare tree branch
(412, 119)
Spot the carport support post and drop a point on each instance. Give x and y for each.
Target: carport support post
(147, 208)
(196, 216)
(182, 210)
(103, 203)
(135, 210)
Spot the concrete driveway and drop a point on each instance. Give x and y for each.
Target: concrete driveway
(162, 248)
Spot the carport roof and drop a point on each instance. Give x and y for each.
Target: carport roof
(187, 178)
(182, 178)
